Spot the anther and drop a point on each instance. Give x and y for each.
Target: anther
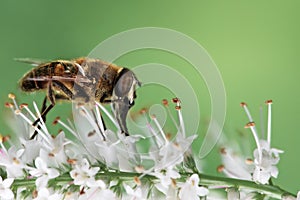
(243, 104)
(220, 168)
(72, 161)
(56, 120)
(250, 124)
(143, 111)
(176, 100)
(269, 101)
(139, 169)
(165, 102)
(223, 151)
(23, 105)
(178, 107)
(11, 96)
(137, 181)
(249, 161)
(8, 105)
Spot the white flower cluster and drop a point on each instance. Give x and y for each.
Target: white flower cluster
(94, 163)
(263, 166)
(87, 161)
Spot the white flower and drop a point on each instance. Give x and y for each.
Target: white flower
(11, 160)
(234, 165)
(233, 194)
(5, 191)
(165, 178)
(98, 191)
(265, 157)
(191, 190)
(83, 174)
(43, 173)
(55, 155)
(45, 194)
(133, 194)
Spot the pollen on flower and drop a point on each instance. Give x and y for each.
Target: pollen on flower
(16, 161)
(11, 96)
(17, 112)
(176, 100)
(56, 120)
(269, 101)
(9, 105)
(249, 161)
(139, 169)
(220, 168)
(72, 161)
(143, 110)
(173, 183)
(23, 105)
(250, 124)
(243, 104)
(178, 107)
(169, 136)
(51, 155)
(137, 180)
(223, 151)
(165, 102)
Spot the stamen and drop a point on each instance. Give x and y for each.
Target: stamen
(56, 120)
(181, 122)
(41, 133)
(137, 181)
(228, 173)
(166, 104)
(251, 125)
(99, 119)
(42, 123)
(91, 121)
(269, 103)
(244, 105)
(13, 98)
(261, 122)
(108, 115)
(249, 161)
(139, 169)
(160, 128)
(157, 140)
(24, 105)
(2, 145)
(9, 105)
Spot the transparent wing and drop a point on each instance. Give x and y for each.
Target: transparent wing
(31, 61)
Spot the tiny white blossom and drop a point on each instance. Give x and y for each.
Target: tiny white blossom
(55, 155)
(98, 191)
(45, 194)
(83, 174)
(191, 190)
(165, 177)
(133, 194)
(265, 157)
(11, 160)
(43, 173)
(5, 191)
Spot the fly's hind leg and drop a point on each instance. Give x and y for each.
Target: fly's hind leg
(51, 97)
(45, 109)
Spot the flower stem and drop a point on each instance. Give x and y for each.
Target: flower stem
(205, 180)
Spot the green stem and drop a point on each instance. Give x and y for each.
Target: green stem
(205, 180)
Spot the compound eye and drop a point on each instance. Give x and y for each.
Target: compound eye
(124, 84)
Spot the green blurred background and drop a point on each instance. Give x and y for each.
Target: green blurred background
(255, 45)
